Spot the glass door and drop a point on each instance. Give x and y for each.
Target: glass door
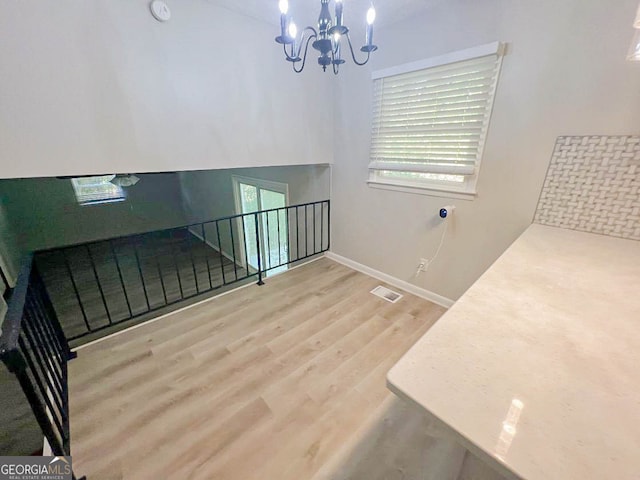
(254, 195)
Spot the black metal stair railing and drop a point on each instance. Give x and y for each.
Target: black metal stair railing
(97, 286)
(33, 347)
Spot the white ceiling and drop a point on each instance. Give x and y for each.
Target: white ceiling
(306, 11)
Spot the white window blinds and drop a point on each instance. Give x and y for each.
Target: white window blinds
(434, 120)
(99, 189)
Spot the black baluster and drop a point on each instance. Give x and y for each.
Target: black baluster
(297, 233)
(322, 226)
(268, 242)
(33, 310)
(287, 228)
(124, 288)
(41, 387)
(175, 263)
(75, 290)
(53, 322)
(40, 314)
(144, 285)
(193, 265)
(260, 282)
(328, 224)
(206, 253)
(224, 280)
(233, 248)
(42, 351)
(95, 274)
(306, 232)
(279, 245)
(156, 255)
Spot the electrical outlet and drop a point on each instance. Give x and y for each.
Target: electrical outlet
(424, 263)
(422, 266)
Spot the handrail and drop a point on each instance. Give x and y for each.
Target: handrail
(180, 227)
(15, 308)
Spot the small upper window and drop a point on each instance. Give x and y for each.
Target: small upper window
(430, 120)
(95, 190)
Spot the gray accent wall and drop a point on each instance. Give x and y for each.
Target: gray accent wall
(44, 212)
(38, 213)
(208, 194)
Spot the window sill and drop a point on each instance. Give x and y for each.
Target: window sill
(101, 202)
(418, 190)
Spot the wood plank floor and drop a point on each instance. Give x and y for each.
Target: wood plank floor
(283, 381)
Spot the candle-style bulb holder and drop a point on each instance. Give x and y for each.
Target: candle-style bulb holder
(284, 40)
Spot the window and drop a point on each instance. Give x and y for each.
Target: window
(95, 190)
(430, 120)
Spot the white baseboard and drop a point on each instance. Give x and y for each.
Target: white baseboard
(396, 282)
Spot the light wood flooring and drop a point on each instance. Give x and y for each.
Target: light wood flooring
(283, 381)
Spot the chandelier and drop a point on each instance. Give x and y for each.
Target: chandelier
(327, 38)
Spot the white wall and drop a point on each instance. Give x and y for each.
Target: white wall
(101, 87)
(565, 74)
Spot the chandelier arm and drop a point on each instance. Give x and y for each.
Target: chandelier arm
(353, 55)
(312, 35)
(297, 54)
(306, 48)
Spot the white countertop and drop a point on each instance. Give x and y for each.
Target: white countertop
(538, 364)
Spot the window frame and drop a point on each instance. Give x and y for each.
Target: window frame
(121, 196)
(467, 188)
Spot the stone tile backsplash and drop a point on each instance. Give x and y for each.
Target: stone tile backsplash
(593, 185)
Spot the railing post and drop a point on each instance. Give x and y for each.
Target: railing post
(260, 282)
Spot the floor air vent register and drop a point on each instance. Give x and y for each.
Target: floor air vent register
(386, 294)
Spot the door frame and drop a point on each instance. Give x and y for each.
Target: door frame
(259, 183)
